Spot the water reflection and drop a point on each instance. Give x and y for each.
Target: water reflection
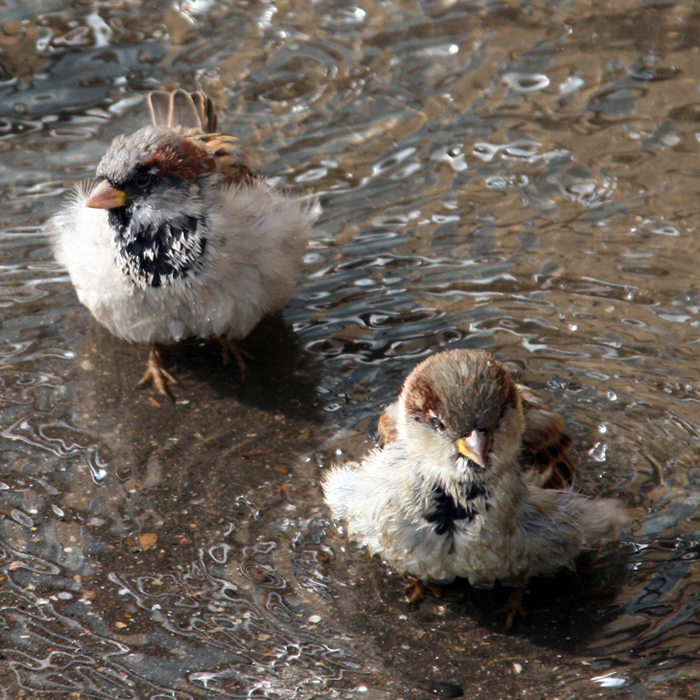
(518, 179)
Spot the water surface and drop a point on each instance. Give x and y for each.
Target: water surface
(514, 177)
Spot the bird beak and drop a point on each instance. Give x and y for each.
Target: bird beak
(104, 196)
(475, 446)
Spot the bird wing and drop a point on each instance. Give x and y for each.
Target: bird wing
(545, 444)
(232, 159)
(388, 432)
(185, 110)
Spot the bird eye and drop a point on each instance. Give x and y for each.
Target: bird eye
(142, 179)
(437, 424)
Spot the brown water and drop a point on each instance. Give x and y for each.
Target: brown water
(515, 177)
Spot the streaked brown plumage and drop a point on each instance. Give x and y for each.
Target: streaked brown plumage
(545, 444)
(182, 110)
(472, 479)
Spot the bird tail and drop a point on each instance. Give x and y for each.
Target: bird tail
(596, 519)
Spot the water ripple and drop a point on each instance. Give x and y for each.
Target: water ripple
(517, 179)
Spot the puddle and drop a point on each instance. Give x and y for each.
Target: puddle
(516, 179)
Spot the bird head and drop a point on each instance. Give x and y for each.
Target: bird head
(461, 412)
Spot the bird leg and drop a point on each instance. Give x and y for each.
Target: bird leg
(416, 590)
(230, 349)
(156, 373)
(514, 606)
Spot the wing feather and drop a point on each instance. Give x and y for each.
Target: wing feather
(545, 444)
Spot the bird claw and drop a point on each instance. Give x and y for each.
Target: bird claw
(231, 349)
(416, 590)
(156, 373)
(514, 606)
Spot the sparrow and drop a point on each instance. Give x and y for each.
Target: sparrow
(471, 479)
(179, 238)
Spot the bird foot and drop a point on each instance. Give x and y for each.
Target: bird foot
(514, 606)
(231, 349)
(156, 373)
(416, 590)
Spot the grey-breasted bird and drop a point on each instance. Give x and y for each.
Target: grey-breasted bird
(471, 480)
(180, 238)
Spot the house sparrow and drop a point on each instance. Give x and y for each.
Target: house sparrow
(179, 238)
(471, 480)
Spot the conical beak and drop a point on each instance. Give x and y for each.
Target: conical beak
(475, 446)
(104, 196)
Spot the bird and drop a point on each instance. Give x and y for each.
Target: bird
(471, 479)
(179, 237)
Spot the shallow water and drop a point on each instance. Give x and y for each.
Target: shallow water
(515, 178)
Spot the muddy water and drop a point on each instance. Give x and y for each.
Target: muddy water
(515, 178)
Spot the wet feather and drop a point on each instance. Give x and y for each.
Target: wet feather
(434, 514)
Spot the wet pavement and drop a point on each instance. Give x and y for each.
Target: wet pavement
(517, 178)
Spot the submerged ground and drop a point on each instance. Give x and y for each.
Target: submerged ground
(515, 177)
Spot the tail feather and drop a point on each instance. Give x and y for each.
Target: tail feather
(182, 109)
(600, 519)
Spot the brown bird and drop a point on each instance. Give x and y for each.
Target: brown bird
(179, 238)
(471, 479)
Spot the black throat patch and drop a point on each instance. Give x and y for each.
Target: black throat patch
(445, 511)
(157, 255)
